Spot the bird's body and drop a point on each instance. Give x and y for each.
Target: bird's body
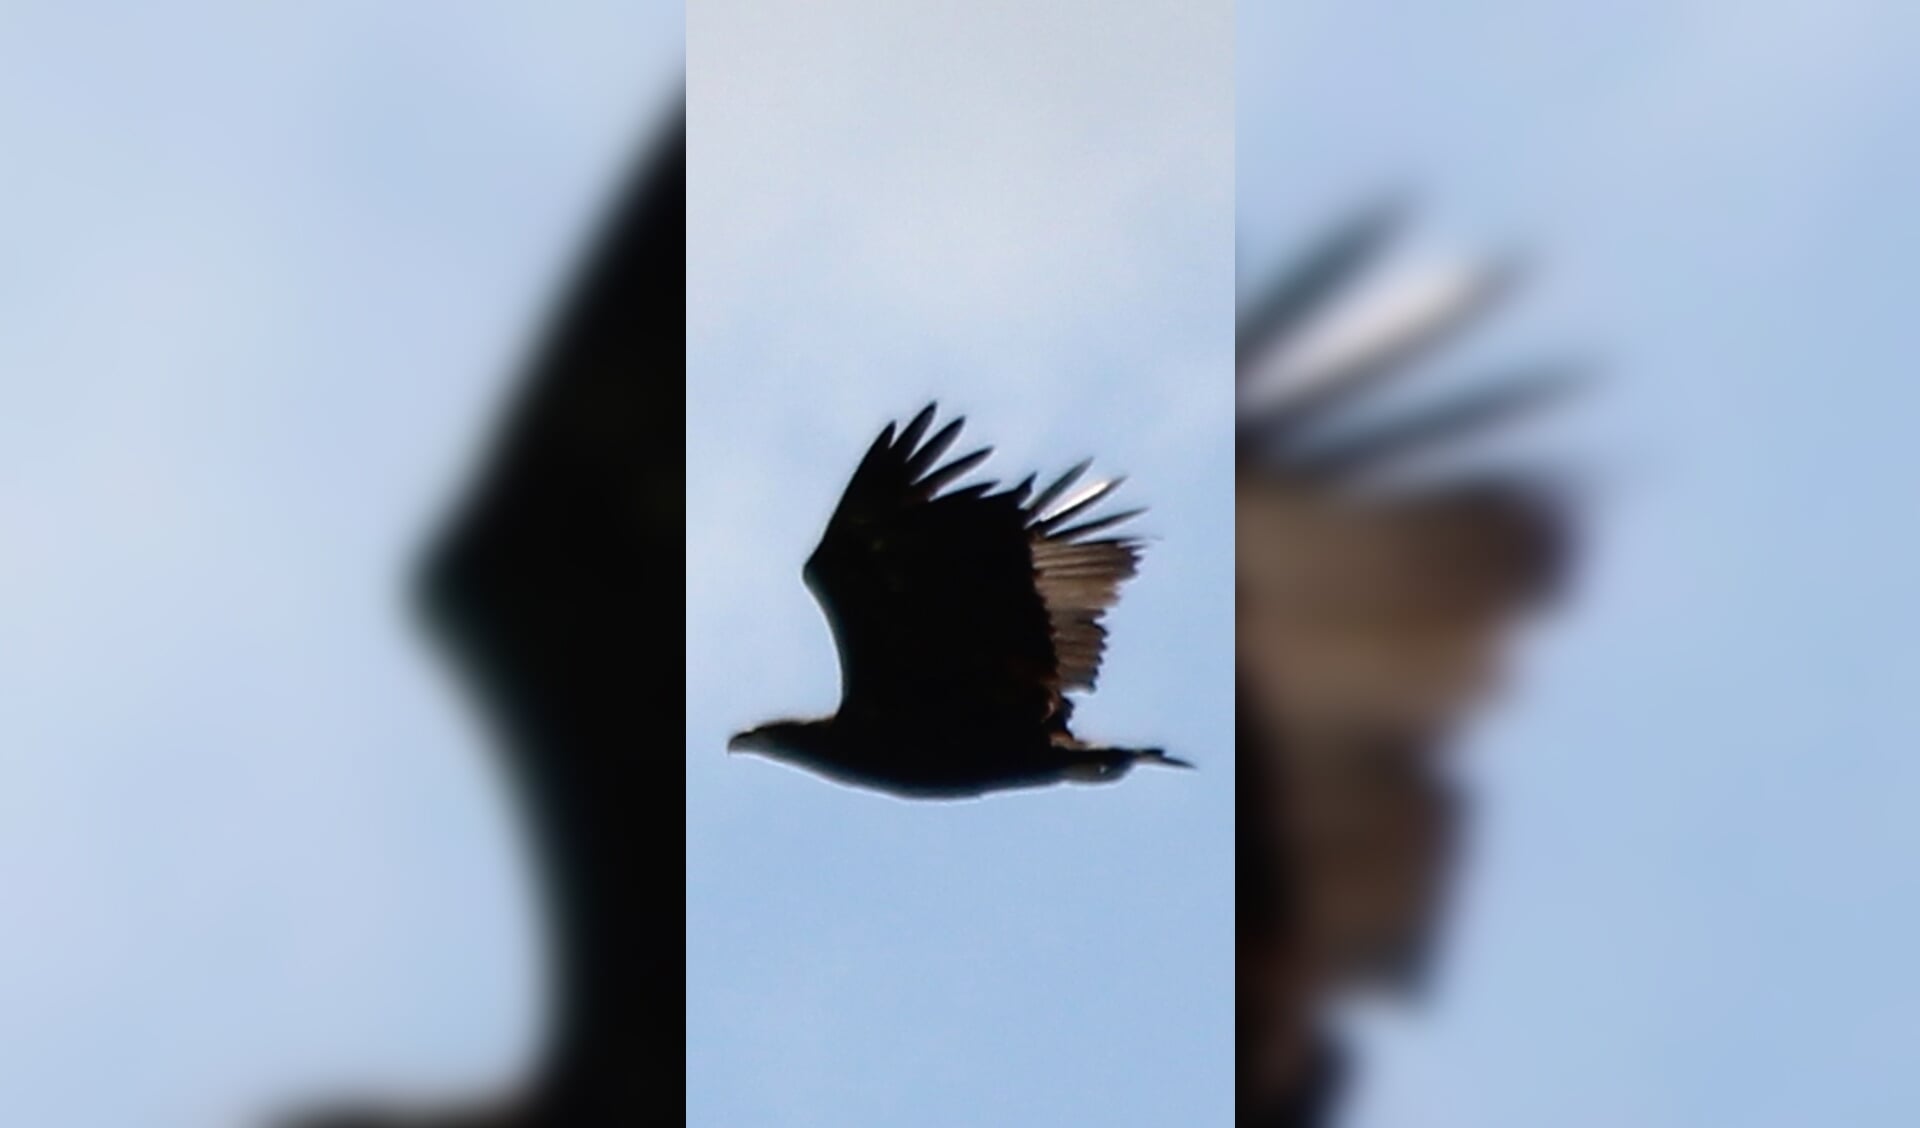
(962, 620)
(960, 761)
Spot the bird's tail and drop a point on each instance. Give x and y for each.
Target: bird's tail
(1157, 756)
(1104, 765)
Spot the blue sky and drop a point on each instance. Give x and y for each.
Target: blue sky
(1026, 211)
(1694, 896)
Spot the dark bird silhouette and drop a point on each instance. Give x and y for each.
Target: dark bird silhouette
(567, 549)
(963, 619)
(1373, 611)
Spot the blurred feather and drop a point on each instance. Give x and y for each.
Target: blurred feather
(1371, 622)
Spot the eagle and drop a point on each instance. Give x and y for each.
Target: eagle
(963, 619)
(1375, 605)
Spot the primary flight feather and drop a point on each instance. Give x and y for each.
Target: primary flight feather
(963, 619)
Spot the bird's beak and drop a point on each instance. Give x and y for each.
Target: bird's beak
(737, 742)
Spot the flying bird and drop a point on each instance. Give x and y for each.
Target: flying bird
(963, 619)
(1374, 608)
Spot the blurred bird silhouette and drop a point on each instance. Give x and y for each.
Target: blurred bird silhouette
(962, 619)
(1374, 606)
(564, 563)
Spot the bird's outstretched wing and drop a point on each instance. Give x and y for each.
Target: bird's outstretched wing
(972, 603)
(1366, 611)
(1372, 617)
(536, 585)
(1384, 614)
(1078, 577)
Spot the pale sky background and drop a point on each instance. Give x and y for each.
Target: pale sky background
(262, 276)
(1695, 897)
(1025, 210)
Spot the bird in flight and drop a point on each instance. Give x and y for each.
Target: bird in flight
(963, 619)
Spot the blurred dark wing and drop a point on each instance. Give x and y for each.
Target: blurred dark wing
(1384, 613)
(1301, 292)
(556, 570)
(1367, 610)
(546, 577)
(1285, 425)
(970, 604)
(1368, 631)
(1370, 623)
